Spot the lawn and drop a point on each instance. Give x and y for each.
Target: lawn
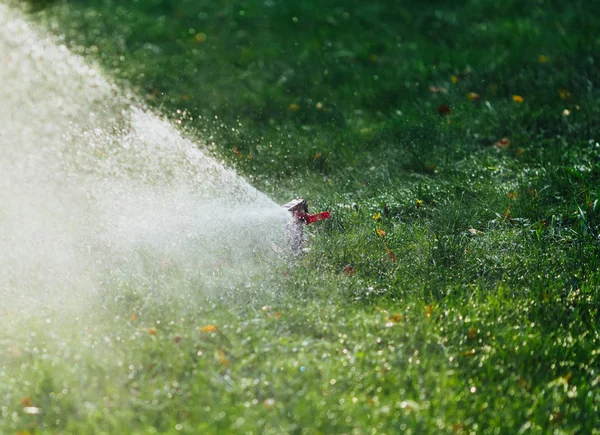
(454, 290)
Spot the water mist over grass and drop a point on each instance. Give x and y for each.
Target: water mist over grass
(104, 204)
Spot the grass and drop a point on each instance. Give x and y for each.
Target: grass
(475, 312)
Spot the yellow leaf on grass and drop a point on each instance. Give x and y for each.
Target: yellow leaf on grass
(473, 96)
(395, 318)
(518, 99)
(221, 357)
(293, 107)
(428, 310)
(380, 232)
(564, 94)
(377, 216)
(208, 328)
(454, 79)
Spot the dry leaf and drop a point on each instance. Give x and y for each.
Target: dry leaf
(221, 357)
(503, 143)
(564, 94)
(443, 109)
(428, 310)
(391, 254)
(208, 328)
(377, 216)
(475, 232)
(151, 331)
(349, 270)
(518, 99)
(473, 96)
(380, 232)
(395, 318)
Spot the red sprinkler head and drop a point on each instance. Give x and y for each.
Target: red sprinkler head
(299, 210)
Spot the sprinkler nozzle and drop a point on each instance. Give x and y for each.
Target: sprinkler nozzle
(299, 210)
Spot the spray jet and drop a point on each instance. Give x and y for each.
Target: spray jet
(299, 210)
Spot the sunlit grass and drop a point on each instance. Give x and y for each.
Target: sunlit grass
(484, 319)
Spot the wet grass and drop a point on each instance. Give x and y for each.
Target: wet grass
(474, 309)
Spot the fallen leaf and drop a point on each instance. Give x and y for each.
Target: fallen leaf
(395, 318)
(377, 216)
(443, 109)
(26, 401)
(316, 156)
(475, 232)
(176, 339)
(208, 328)
(518, 99)
(428, 310)
(151, 331)
(473, 96)
(134, 317)
(419, 203)
(564, 94)
(391, 254)
(503, 143)
(237, 152)
(349, 270)
(380, 232)
(221, 358)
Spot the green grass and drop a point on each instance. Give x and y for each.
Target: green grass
(485, 317)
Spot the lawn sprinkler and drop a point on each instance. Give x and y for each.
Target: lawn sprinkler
(300, 216)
